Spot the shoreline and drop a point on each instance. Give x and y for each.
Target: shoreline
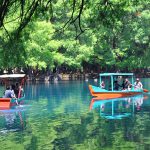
(72, 77)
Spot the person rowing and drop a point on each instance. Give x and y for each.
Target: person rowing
(9, 93)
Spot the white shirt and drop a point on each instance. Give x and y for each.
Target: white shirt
(138, 85)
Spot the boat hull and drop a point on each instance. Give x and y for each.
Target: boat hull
(6, 103)
(104, 94)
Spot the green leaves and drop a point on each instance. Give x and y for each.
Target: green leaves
(108, 33)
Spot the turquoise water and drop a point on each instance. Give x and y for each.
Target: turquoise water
(64, 116)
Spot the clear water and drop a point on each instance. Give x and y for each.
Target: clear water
(63, 116)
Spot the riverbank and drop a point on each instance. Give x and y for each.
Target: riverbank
(74, 76)
(59, 74)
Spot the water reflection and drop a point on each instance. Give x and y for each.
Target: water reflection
(118, 108)
(12, 119)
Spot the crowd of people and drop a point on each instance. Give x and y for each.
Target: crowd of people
(126, 85)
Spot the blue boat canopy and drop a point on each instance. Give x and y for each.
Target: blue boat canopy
(116, 74)
(112, 75)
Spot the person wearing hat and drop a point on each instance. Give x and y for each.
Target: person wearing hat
(138, 84)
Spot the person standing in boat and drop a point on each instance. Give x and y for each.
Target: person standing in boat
(16, 89)
(102, 84)
(138, 84)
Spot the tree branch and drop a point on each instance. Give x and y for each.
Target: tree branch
(27, 16)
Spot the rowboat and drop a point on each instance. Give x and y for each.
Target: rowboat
(7, 79)
(109, 92)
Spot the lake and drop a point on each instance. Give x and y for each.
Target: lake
(63, 116)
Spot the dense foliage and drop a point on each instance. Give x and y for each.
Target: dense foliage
(75, 34)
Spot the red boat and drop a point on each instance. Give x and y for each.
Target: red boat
(7, 79)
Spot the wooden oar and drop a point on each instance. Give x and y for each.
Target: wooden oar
(145, 90)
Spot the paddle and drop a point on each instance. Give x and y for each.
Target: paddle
(17, 101)
(145, 90)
